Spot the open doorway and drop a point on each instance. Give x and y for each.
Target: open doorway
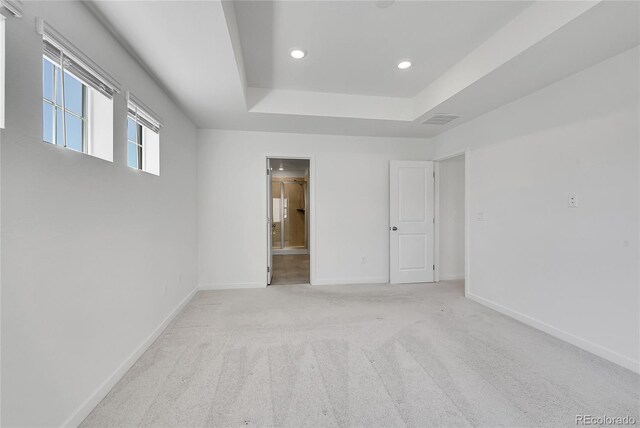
(451, 214)
(288, 213)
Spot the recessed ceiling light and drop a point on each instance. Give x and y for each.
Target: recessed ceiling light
(403, 65)
(298, 53)
(281, 169)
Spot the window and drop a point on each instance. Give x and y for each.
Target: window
(77, 98)
(64, 108)
(143, 137)
(2, 68)
(134, 143)
(8, 9)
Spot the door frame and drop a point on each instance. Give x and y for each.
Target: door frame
(467, 272)
(269, 211)
(311, 186)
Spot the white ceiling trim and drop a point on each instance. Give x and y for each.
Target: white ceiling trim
(541, 45)
(534, 24)
(304, 103)
(232, 25)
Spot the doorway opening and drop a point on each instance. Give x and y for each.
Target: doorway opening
(288, 214)
(451, 214)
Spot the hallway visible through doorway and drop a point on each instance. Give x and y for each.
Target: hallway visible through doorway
(288, 212)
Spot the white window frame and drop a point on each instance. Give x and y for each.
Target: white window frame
(8, 9)
(75, 55)
(147, 121)
(13, 7)
(94, 78)
(2, 69)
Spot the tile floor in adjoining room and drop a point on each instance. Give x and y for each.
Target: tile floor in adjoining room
(290, 269)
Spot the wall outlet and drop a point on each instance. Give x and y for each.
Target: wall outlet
(573, 200)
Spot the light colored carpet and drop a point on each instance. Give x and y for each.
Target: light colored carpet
(360, 355)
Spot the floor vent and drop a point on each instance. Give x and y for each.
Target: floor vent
(441, 119)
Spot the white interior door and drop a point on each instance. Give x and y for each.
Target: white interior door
(269, 224)
(411, 232)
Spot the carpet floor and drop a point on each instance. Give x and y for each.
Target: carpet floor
(363, 356)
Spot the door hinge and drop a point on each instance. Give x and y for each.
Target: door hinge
(434, 267)
(268, 269)
(268, 171)
(434, 220)
(434, 174)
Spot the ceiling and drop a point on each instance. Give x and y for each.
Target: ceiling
(230, 68)
(354, 46)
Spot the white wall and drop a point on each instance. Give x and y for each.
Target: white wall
(573, 272)
(95, 255)
(350, 183)
(451, 218)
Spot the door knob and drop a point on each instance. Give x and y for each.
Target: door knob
(394, 228)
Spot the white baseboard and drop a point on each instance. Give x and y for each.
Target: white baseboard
(231, 286)
(451, 277)
(350, 281)
(598, 350)
(83, 411)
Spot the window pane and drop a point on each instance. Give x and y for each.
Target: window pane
(58, 87)
(132, 155)
(73, 94)
(47, 122)
(47, 79)
(59, 139)
(132, 130)
(74, 132)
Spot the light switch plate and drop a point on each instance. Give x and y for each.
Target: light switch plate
(573, 200)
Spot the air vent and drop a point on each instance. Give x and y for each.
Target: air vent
(441, 119)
